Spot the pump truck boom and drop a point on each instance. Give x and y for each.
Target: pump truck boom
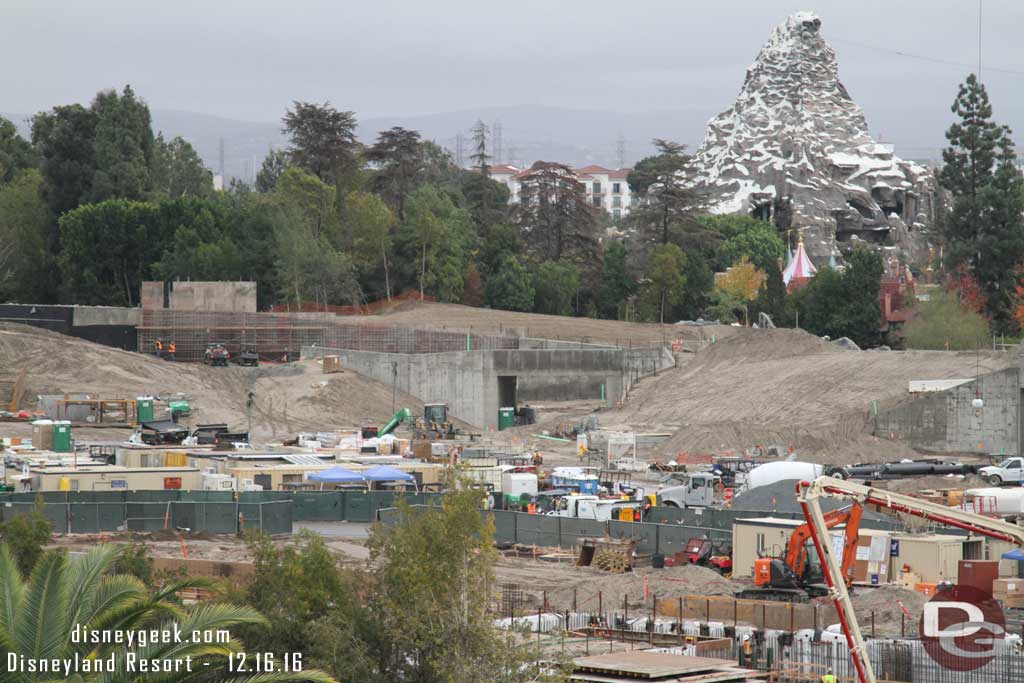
(810, 494)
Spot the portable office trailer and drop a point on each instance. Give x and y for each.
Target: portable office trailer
(934, 557)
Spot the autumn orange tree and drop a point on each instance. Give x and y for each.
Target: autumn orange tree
(743, 281)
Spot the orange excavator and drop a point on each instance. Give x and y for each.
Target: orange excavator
(797, 576)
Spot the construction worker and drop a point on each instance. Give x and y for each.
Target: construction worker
(172, 348)
(829, 677)
(159, 347)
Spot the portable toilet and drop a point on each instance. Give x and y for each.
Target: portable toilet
(506, 418)
(62, 437)
(144, 408)
(42, 434)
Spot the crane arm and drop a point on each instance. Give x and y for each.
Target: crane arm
(810, 493)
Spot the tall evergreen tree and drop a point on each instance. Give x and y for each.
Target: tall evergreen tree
(323, 140)
(178, 171)
(274, 164)
(124, 147)
(616, 283)
(985, 229)
(398, 158)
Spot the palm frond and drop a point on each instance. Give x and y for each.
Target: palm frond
(83, 576)
(43, 626)
(311, 675)
(11, 590)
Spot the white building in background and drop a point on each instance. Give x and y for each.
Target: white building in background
(605, 188)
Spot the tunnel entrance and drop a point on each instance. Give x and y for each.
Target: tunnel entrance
(507, 391)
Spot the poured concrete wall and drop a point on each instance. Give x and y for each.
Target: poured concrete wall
(947, 422)
(214, 296)
(468, 381)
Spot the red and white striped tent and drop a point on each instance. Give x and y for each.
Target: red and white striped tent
(799, 269)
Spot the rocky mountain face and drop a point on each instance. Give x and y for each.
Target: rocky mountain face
(795, 149)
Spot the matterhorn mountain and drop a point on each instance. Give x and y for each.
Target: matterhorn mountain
(795, 149)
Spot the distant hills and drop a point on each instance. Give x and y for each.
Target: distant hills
(528, 133)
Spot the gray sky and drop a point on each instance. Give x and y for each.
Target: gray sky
(248, 59)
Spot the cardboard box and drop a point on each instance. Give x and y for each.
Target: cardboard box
(332, 364)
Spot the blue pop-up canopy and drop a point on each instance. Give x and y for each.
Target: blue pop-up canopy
(1015, 554)
(385, 473)
(337, 475)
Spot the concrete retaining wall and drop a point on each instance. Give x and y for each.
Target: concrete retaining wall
(947, 422)
(468, 381)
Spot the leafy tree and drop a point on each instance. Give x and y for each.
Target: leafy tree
(274, 164)
(178, 171)
(41, 613)
(772, 297)
(24, 537)
(667, 281)
(985, 229)
(309, 201)
(370, 223)
(323, 140)
(473, 294)
(616, 283)
(667, 205)
(742, 281)
(108, 250)
(65, 138)
(555, 284)
(499, 241)
(844, 305)
(554, 217)
(24, 231)
(511, 287)
(16, 154)
(436, 238)
(943, 322)
(700, 283)
(434, 576)
(124, 147)
(398, 158)
(760, 243)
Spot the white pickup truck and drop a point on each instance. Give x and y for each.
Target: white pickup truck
(1009, 471)
(592, 507)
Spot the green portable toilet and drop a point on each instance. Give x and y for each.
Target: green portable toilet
(506, 418)
(144, 408)
(62, 437)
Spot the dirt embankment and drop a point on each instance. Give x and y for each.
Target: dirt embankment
(288, 398)
(782, 387)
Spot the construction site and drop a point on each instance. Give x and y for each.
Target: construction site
(644, 479)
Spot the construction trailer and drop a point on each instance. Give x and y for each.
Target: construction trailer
(114, 478)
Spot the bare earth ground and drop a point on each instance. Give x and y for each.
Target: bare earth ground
(289, 398)
(486, 321)
(780, 387)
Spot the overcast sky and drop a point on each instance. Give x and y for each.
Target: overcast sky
(248, 59)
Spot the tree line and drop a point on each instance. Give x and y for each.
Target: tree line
(94, 203)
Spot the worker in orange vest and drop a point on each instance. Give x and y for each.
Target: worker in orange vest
(172, 348)
(159, 347)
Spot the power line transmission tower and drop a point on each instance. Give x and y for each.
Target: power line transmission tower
(458, 150)
(496, 140)
(223, 176)
(620, 151)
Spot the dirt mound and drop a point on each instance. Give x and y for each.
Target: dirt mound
(785, 387)
(883, 602)
(632, 586)
(766, 345)
(288, 398)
